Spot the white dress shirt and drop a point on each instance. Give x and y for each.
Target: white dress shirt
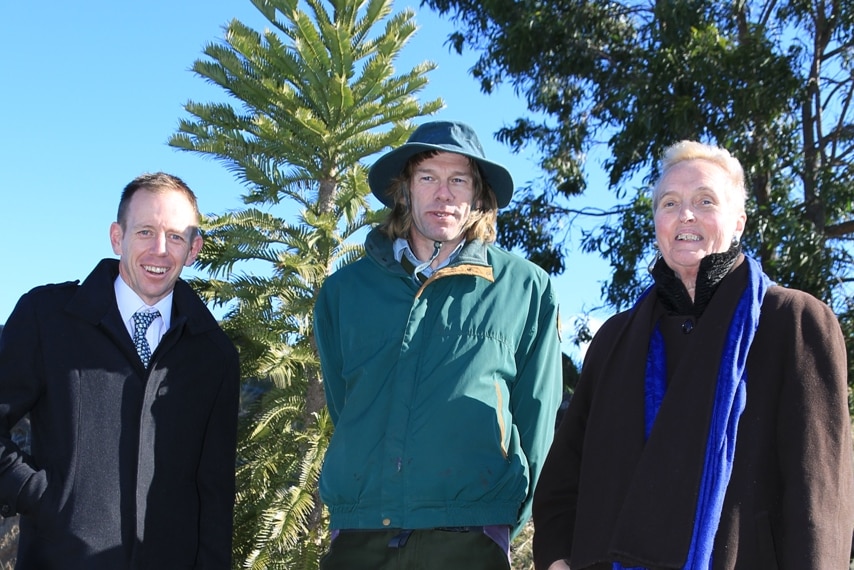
(129, 303)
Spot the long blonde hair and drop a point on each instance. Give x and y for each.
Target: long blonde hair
(481, 221)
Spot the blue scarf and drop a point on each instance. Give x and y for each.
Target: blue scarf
(730, 399)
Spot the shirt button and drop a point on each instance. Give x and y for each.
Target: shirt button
(386, 522)
(688, 326)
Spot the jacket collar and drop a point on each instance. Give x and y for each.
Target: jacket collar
(95, 302)
(472, 260)
(380, 248)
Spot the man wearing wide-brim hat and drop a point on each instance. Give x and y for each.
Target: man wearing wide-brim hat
(441, 363)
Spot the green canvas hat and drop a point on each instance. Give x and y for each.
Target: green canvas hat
(444, 136)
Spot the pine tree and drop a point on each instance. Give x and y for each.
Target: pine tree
(316, 95)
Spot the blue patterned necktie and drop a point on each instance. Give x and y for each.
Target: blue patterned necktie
(141, 321)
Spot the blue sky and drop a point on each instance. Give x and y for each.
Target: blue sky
(93, 90)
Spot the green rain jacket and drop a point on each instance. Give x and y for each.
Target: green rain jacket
(443, 395)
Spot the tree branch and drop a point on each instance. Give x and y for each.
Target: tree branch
(839, 230)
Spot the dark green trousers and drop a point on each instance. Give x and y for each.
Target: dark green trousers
(419, 550)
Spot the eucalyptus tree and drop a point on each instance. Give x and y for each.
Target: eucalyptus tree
(772, 80)
(309, 99)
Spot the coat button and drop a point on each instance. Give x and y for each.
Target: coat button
(386, 522)
(6, 511)
(688, 326)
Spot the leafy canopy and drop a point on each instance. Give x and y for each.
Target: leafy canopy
(771, 81)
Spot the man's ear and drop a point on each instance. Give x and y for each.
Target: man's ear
(116, 235)
(195, 248)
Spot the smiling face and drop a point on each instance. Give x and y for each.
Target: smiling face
(157, 239)
(441, 191)
(696, 214)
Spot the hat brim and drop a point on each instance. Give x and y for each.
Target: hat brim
(390, 165)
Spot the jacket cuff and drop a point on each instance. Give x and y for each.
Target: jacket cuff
(30, 494)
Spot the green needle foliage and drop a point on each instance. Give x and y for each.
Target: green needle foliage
(309, 100)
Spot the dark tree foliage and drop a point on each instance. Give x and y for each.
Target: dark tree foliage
(772, 81)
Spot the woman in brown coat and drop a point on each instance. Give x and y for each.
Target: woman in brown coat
(710, 427)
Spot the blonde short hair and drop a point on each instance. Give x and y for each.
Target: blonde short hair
(692, 150)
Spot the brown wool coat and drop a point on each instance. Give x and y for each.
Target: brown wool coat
(605, 495)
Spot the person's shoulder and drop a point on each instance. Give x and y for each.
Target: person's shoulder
(347, 272)
(225, 349)
(498, 254)
(784, 299)
(43, 303)
(200, 319)
(785, 309)
(502, 260)
(225, 345)
(52, 293)
(614, 323)
(55, 288)
(794, 316)
(604, 338)
(222, 353)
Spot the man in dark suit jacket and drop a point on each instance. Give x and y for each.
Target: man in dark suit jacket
(133, 439)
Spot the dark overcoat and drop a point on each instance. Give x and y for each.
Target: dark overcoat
(129, 468)
(605, 494)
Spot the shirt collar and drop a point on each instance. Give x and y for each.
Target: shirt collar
(401, 247)
(129, 303)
